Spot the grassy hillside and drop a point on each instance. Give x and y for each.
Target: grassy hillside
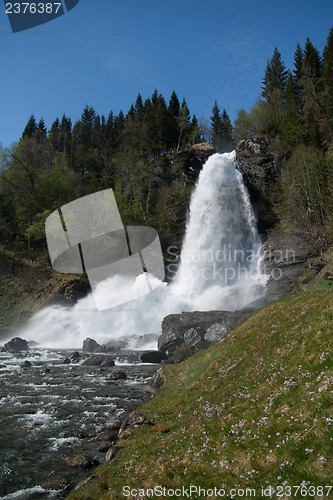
(254, 410)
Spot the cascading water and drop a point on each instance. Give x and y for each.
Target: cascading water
(219, 265)
(219, 269)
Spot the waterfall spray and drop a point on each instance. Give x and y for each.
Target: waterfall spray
(219, 269)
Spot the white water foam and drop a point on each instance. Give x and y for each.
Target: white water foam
(219, 269)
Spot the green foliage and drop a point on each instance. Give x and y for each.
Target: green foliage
(297, 109)
(306, 181)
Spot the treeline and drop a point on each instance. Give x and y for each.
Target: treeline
(134, 154)
(296, 109)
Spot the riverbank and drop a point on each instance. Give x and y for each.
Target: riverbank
(60, 414)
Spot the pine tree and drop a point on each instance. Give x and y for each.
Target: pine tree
(312, 78)
(174, 111)
(298, 77)
(195, 132)
(131, 114)
(298, 64)
(30, 128)
(312, 61)
(119, 125)
(275, 76)
(226, 127)
(273, 89)
(139, 108)
(292, 127)
(174, 105)
(86, 124)
(215, 125)
(41, 132)
(66, 135)
(54, 135)
(312, 84)
(328, 81)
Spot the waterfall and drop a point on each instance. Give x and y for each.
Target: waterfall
(219, 269)
(220, 258)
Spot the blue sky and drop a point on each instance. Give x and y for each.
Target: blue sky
(103, 53)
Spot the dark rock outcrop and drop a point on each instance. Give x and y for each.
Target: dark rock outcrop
(193, 158)
(16, 345)
(118, 375)
(194, 339)
(284, 256)
(183, 334)
(90, 345)
(260, 167)
(216, 332)
(152, 356)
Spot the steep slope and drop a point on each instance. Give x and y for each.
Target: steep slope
(253, 411)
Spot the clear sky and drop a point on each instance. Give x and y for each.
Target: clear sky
(103, 53)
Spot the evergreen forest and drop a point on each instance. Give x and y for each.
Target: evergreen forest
(137, 154)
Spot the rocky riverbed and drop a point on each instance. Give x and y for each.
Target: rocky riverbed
(57, 415)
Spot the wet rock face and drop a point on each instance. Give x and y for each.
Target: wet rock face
(152, 357)
(16, 345)
(284, 258)
(90, 345)
(260, 169)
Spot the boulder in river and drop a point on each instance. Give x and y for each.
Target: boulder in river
(117, 375)
(90, 345)
(107, 435)
(152, 356)
(75, 357)
(16, 345)
(112, 425)
(26, 364)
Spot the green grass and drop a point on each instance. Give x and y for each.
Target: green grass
(252, 411)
